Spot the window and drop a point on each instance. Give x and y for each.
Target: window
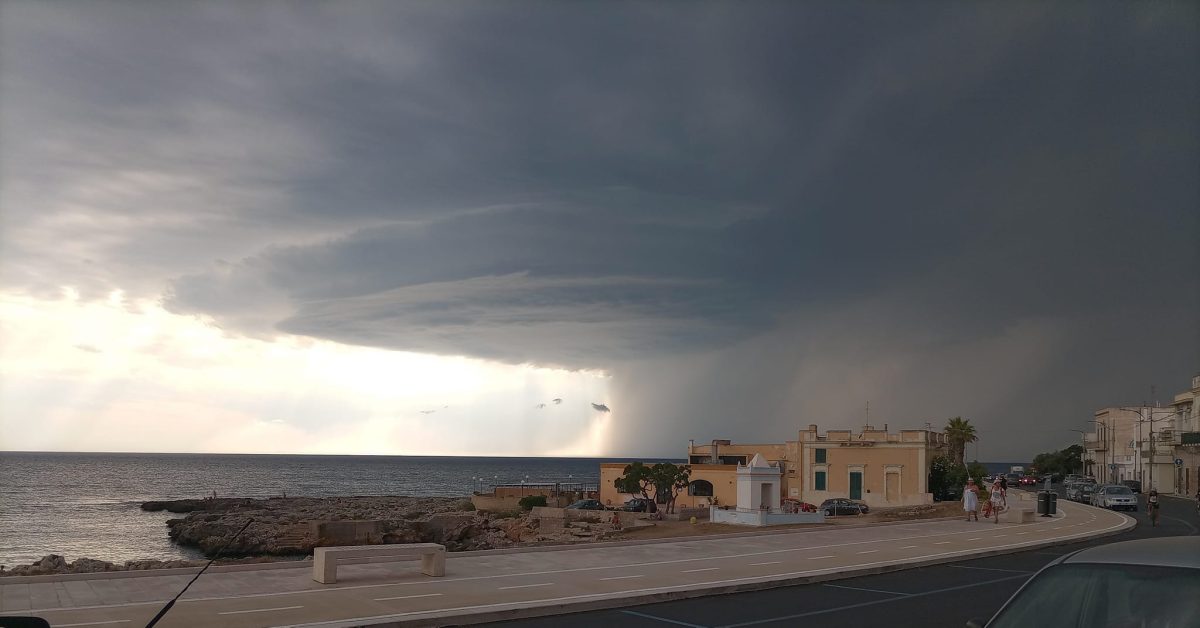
(819, 479)
(700, 488)
(820, 456)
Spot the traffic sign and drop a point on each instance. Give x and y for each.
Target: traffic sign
(1179, 462)
(1112, 465)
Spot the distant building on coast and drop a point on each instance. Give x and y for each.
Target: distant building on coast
(877, 467)
(1156, 445)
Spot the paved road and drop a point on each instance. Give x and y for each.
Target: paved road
(499, 583)
(945, 595)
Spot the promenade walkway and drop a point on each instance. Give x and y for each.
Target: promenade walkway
(485, 586)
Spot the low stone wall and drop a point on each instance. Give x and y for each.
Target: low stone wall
(495, 504)
(347, 532)
(684, 514)
(759, 518)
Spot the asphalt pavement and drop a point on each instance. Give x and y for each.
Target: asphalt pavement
(947, 595)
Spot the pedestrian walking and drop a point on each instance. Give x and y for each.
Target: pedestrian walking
(997, 499)
(1152, 507)
(971, 500)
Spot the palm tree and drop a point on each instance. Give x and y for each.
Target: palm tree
(959, 432)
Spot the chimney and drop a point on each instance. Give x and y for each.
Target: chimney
(812, 427)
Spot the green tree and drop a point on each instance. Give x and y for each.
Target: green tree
(669, 479)
(976, 471)
(636, 478)
(959, 432)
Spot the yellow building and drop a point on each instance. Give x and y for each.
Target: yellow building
(874, 466)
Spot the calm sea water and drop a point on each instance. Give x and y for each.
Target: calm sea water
(87, 504)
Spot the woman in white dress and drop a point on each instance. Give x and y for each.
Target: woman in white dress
(971, 500)
(998, 500)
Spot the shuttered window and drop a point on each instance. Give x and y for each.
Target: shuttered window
(819, 479)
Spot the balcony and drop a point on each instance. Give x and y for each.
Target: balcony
(1095, 445)
(1189, 438)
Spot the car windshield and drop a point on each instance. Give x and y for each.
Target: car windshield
(1087, 595)
(1119, 490)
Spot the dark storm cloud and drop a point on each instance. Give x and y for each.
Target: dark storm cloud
(758, 214)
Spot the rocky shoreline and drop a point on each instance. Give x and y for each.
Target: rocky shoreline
(284, 528)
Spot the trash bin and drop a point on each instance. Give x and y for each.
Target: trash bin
(1053, 505)
(1043, 503)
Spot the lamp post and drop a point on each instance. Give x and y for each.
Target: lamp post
(1082, 454)
(1106, 430)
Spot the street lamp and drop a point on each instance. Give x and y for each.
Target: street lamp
(1082, 454)
(1103, 457)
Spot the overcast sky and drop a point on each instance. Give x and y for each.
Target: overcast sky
(407, 227)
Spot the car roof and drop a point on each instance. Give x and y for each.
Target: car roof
(1171, 551)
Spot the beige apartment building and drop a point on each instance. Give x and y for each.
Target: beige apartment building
(1157, 445)
(872, 465)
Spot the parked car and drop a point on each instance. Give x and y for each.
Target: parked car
(1147, 582)
(1085, 492)
(1071, 477)
(841, 506)
(587, 504)
(1133, 485)
(1116, 497)
(639, 504)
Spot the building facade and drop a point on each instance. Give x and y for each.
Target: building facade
(1158, 446)
(872, 465)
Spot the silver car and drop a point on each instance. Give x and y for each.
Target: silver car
(1145, 583)
(1116, 497)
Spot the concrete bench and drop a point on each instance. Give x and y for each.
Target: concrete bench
(433, 558)
(1018, 515)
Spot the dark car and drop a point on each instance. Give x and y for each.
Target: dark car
(1148, 582)
(1133, 485)
(639, 504)
(841, 506)
(1013, 479)
(587, 504)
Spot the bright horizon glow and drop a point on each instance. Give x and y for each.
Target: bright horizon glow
(127, 376)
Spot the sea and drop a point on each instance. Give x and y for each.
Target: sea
(88, 504)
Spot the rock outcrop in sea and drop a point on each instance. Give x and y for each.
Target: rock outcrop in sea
(293, 526)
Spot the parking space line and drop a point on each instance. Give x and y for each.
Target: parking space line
(663, 619)
(990, 569)
(526, 586)
(820, 557)
(97, 623)
(774, 562)
(842, 586)
(909, 547)
(701, 569)
(868, 551)
(623, 577)
(872, 603)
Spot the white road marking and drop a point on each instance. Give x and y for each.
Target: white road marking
(526, 586)
(260, 610)
(774, 562)
(406, 597)
(839, 586)
(703, 569)
(821, 557)
(868, 551)
(909, 547)
(975, 538)
(941, 542)
(624, 577)
(98, 623)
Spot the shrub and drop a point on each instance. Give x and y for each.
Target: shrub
(529, 501)
(467, 505)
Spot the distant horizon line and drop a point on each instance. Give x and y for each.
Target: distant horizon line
(202, 453)
(210, 453)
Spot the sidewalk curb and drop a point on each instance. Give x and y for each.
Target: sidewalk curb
(537, 609)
